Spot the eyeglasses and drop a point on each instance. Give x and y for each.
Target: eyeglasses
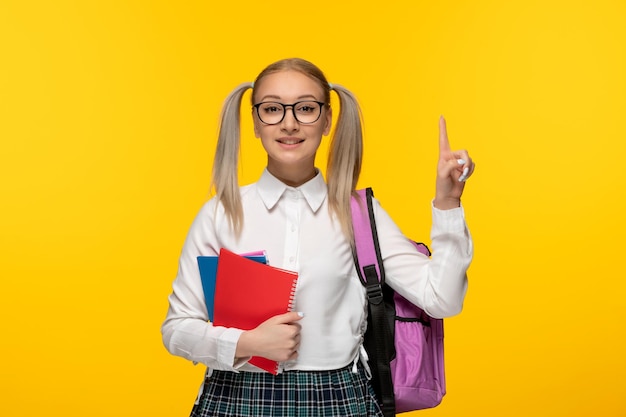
(305, 112)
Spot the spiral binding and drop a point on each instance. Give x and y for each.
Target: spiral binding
(292, 294)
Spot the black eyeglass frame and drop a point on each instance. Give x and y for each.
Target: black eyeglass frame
(293, 111)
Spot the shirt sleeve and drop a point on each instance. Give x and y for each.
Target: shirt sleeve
(438, 284)
(186, 331)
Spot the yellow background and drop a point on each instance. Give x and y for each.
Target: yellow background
(108, 114)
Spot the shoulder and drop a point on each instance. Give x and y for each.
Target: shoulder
(214, 203)
(247, 191)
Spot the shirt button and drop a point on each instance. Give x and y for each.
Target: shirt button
(291, 258)
(293, 228)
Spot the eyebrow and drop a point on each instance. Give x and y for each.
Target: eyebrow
(306, 96)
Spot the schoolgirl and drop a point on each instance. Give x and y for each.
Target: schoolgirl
(303, 221)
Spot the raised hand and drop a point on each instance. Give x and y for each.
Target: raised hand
(453, 169)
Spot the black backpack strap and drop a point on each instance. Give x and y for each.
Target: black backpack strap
(379, 345)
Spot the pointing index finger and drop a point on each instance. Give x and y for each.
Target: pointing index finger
(444, 143)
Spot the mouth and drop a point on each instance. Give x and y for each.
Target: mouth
(289, 141)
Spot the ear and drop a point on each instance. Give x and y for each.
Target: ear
(328, 121)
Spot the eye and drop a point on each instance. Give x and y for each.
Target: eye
(307, 107)
(270, 108)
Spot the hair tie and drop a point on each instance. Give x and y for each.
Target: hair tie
(331, 86)
(252, 85)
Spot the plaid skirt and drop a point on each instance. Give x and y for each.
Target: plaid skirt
(334, 393)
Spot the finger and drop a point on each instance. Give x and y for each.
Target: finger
(464, 162)
(444, 143)
(290, 317)
(463, 155)
(452, 167)
(294, 328)
(465, 175)
(293, 356)
(468, 170)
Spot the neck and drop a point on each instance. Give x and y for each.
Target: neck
(293, 178)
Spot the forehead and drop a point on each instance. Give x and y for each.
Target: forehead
(288, 86)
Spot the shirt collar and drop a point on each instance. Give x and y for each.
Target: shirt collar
(271, 189)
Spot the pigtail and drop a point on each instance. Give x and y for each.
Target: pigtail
(225, 180)
(345, 158)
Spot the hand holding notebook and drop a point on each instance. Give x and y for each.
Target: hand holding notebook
(247, 293)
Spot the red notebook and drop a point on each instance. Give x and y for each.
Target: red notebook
(247, 293)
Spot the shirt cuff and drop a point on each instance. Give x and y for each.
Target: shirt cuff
(451, 220)
(227, 346)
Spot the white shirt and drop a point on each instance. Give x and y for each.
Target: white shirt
(294, 227)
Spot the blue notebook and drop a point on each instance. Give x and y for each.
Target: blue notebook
(208, 272)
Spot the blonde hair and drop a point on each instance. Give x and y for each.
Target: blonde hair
(345, 152)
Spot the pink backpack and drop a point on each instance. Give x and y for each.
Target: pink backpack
(404, 344)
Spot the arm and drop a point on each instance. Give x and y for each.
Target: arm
(186, 331)
(437, 285)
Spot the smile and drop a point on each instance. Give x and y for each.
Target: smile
(290, 141)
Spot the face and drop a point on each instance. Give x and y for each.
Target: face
(290, 145)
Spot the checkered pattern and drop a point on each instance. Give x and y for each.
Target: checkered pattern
(289, 394)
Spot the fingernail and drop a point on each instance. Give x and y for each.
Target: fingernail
(300, 313)
(461, 161)
(463, 176)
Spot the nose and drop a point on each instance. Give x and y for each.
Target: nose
(289, 122)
